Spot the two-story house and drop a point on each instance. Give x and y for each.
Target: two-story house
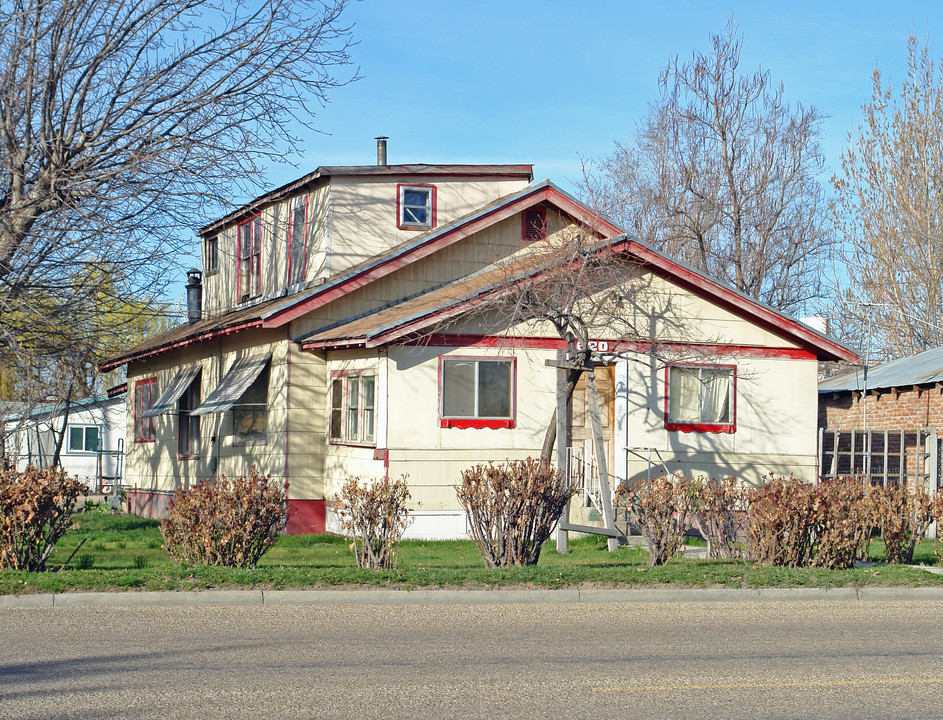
(337, 339)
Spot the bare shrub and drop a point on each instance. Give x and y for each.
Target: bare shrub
(512, 508)
(229, 522)
(36, 509)
(720, 516)
(375, 515)
(662, 509)
(780, 527)
(841, 523)
(903, 513)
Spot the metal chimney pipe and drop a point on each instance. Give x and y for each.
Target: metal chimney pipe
(194, 296)
(381, 149)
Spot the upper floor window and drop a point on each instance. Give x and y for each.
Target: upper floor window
(353, 407)
(476, 392)
(250, 259)
(83, 438)
(298, 240)
(415, 206)
(701, 398)
(145, 393)
(534, 224)
(211, 254)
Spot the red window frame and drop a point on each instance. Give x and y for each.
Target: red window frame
(345, 438)
(291, 230)
(399, 208)
(253, 256)
(698, 427)
(144, 427)
(534, 224)
(477, 422)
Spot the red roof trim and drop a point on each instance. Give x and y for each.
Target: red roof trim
(208, 335)
(436, 243)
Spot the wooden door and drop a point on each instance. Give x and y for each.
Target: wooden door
(582, 431)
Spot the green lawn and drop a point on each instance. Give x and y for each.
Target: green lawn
(123, 552)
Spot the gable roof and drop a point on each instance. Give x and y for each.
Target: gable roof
(432, 308)
(522, 172)
(920, 369)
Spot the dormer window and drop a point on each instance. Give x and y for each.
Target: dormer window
(250, 259)
(415, 207)
(298, 240)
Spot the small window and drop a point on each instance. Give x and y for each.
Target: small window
(145, 393)
(188, 425)
(477, 393)
(250, 414)
(298, 240)
(211, 254)
(250, 259)
(415, 206)
(534, 224)
(353, 408)
(83, 438)
(701, 398)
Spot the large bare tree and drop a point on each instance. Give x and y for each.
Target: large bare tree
(123, 125)
(722, 174)
(889, 213)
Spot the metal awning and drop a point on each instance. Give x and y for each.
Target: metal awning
(168, 399)
(240, 376)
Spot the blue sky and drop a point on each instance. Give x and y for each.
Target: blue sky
(548, 82)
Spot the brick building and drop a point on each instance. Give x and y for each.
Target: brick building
(886, 423)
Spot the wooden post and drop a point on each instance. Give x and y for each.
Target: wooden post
(563, 442)
(600, 447)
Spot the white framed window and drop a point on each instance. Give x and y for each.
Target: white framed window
(353, 407)
(298, 240)
(84, 438)
(250, 412)
(211, 255)
(477, 392)
(415, 206)
(188, 425)
(701, 398)
(250, 259)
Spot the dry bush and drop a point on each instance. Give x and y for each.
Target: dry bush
(375, 515)
(720, 516)
(841, 523)
(903, 513)
(780, 522)
(227, 522)
(35, 511)
(662, 509)
(512, 508)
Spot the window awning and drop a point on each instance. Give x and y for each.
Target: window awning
(240, 376)
(168, 399)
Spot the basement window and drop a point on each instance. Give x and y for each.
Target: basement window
(701, 398)
(476, 392)
(415, 207)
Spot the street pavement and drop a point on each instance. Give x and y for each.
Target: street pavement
(754, 657)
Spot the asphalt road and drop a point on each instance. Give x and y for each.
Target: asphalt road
(806, 659)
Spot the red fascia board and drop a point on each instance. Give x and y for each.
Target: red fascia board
(737, 303)
(419, 252)
(208, 335)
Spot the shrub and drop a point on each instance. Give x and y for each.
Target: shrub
(720, 516)
(36, 509)
(512, 508)
(903, 513)
(375, 515)
(780, 522)
(841, 523)
(662, 509)
(226, 522)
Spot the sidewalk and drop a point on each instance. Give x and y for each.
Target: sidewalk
(463, 597)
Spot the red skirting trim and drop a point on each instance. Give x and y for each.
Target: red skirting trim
(306, 517)
(149, 503)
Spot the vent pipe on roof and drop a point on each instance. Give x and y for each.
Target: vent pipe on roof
(194, 296)
(381, 149)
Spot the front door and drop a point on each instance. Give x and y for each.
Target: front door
(582, 453)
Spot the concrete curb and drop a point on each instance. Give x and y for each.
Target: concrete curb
(464, 597)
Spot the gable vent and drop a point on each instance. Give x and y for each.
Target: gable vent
(534, 224)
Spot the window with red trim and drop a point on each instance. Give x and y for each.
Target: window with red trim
(476, 392)
(145, 393)
(701, 398)
(353, 407)
(298, 240)
(534, 224)
(250, 259)
(415, 207)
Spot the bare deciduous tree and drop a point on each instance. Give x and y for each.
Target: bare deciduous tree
(889, 213)
(123, 126)
(722, 175)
